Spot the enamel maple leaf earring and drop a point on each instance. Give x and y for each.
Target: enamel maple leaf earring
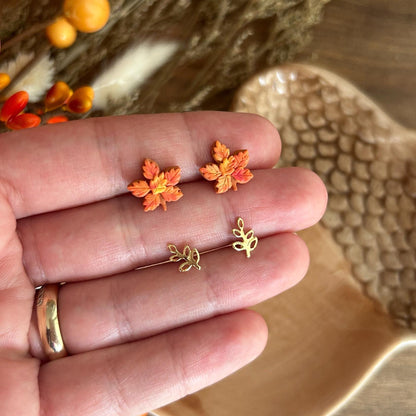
(228, 170)
(159, 187)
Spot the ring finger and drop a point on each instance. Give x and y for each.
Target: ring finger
(141, 303)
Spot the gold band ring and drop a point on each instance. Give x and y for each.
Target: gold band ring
(48, 322)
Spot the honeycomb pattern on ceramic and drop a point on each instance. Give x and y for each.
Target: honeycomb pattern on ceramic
(368, 164)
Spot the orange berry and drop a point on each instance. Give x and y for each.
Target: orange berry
(61, 33)
(87, 15)
(57, 96)
(4, 80)
(79, 105)
(81, 101)
(14, 105)
(23, 121)
(57, 119)
(86, 91)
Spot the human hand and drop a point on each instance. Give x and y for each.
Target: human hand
(139, 339)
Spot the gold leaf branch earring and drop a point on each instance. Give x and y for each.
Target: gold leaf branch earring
(249, 242)
(190, 257)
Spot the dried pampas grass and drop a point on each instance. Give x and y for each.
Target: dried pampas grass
(130, 71)
(36, 81)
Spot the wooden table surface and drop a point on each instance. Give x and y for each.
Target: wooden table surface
(372, 43)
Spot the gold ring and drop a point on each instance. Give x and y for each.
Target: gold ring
(48, 322)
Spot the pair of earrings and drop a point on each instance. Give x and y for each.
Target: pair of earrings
(190, 257)
(161, 186)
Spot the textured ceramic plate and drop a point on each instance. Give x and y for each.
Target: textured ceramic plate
(358, 302)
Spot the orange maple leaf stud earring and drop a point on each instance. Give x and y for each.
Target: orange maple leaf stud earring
(228, 170)
(160, 187)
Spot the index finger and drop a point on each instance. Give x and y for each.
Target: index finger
(76, 163)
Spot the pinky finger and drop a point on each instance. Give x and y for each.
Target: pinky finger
(134, 378)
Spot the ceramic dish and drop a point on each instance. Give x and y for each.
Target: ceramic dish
(357, 304)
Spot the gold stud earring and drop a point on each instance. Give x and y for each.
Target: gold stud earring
(249, 241)
(190, 257)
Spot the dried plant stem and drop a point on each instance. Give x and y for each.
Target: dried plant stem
(81, 48)
(123, 12)
(225, 41)
(23, 72)
(157, 84)
(26, 34)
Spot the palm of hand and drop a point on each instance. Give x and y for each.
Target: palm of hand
(138, 339)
